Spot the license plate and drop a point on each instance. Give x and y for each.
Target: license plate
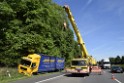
(78, 68)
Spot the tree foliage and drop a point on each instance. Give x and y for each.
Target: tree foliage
(117, 60)
(34, 26)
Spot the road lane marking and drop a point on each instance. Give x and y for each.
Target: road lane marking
(50, 78)
(118, 81)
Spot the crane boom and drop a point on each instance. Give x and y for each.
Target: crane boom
(84, 51)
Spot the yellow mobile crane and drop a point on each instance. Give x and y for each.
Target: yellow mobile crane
(84, 64)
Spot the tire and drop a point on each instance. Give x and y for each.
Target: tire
(87, 74)
(35, 73)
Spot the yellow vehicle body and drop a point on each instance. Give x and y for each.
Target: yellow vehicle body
(80, 68)
(89, 60)
(29, 64)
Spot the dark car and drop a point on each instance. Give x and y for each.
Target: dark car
(116, 69)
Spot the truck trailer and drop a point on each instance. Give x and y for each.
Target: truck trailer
(35, 63)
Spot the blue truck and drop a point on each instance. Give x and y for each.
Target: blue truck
(34, 63)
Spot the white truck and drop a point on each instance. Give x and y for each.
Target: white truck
(105, 64)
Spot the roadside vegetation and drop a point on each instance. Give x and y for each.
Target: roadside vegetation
(9, 74)
(14, 75)
(118, 60)
(34, 26)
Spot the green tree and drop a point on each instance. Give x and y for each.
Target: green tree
(34, 26)
(112, 60)
(117, 60)
(122, 60)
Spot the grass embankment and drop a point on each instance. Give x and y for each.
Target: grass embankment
(14, 75)
(122, 65)
(9, 74)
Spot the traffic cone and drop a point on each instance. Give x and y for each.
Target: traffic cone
(113, 77)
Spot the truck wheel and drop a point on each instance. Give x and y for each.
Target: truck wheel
(35, 73)
(88, 74)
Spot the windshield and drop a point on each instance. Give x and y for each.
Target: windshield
(25, 62)
(116, 67)
(106, 62)
(79, 63)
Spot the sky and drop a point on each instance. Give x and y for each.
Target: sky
(101, 24)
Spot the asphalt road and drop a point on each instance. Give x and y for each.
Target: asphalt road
(106, 77)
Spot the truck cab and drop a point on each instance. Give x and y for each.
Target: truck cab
(79, 66)
(29, 64)
(105, 64)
